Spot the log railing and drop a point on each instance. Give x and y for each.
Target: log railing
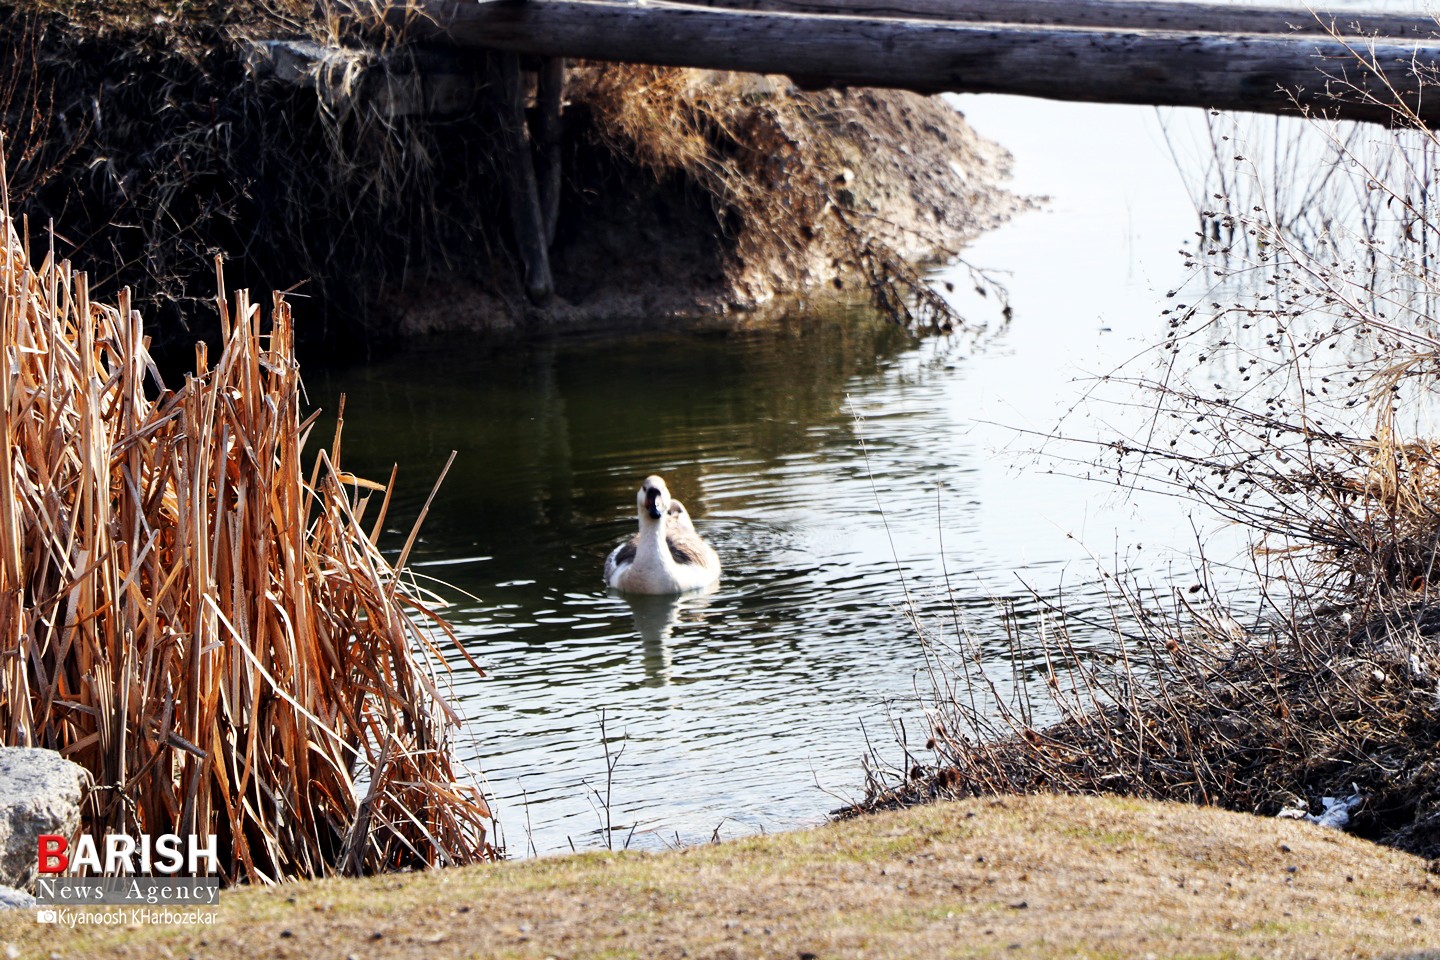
(1278, 70)
(1355, 65)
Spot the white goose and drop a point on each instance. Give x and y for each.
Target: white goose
(667, 555)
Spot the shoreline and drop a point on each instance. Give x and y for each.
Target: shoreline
(681, 193)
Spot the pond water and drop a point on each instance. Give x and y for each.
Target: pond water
(845, 472)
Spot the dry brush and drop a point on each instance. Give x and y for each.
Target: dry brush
(198, 620)
(1294, 395)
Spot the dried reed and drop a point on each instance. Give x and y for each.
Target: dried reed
(184, 613)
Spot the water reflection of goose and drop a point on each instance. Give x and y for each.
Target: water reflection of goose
(666, 556)
(655, 619)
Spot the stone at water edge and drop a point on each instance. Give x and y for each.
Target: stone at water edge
(40, 792)
(12, 899)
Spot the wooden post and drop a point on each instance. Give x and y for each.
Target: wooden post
(526, 219)
(549, 98)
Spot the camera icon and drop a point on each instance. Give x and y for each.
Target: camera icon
(47, 916)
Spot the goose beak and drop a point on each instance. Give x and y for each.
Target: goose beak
(652, 503)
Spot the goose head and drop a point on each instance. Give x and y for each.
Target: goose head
(653, 500)
(678, 518)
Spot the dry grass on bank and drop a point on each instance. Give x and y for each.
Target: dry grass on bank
(187, 614)
(1034, 877)
(129, 15)
(152, 134)
(1189, 705)
(803, 184)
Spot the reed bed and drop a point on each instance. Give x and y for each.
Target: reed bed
(189, 615)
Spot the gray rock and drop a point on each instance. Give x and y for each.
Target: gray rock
(40, 792)
(12, 899)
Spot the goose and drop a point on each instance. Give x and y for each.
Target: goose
(667, 555)
(678, 520)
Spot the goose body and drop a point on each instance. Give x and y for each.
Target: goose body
(666, 555)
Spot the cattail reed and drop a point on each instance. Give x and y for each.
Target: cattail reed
(198, 619)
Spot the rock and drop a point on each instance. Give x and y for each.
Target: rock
(12, 899)
(40, 792)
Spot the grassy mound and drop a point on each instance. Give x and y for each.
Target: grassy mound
(1033, 876)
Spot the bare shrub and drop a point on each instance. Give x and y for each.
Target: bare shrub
(1293, 395)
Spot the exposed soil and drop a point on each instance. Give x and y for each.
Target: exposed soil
(1009, 877)
(645, 246)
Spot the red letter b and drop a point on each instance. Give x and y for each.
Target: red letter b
(51, 855)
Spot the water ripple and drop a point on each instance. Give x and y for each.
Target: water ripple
(845, 479)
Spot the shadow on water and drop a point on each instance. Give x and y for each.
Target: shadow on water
(555, 437)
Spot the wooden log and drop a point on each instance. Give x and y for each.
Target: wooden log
(1112, 14)
(1265, 73)
(526, 219)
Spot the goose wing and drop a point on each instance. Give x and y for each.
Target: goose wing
(687, 549)
(621, 557)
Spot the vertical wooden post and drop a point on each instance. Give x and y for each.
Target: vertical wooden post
(526, 218)
(549, 98)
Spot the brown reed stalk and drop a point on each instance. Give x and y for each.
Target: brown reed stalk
(183, 613)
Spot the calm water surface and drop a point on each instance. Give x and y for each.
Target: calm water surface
(842, 469)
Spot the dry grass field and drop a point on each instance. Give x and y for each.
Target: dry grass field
(1039, 876)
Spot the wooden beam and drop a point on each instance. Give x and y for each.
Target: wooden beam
(1112, 14)
(1266, 73)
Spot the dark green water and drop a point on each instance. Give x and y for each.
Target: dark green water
(746, 709)
(729, 705)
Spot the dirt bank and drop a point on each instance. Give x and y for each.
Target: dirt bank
(693, 194)
(327, 157)
(1020, 876)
